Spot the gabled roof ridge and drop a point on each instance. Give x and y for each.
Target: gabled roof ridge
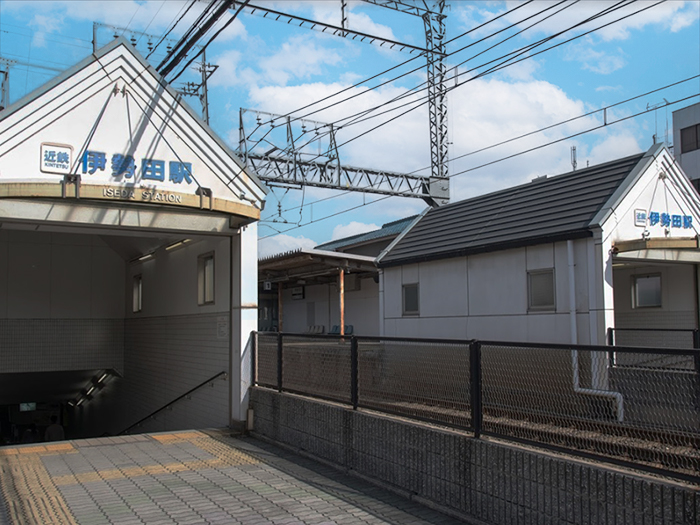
(561, 206)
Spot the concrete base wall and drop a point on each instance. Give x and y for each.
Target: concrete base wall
(484, 481)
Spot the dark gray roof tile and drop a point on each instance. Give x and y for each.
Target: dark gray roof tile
(555, 207)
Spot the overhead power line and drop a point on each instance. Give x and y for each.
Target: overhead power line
(504, 64)
(529, 150)
(355, 118)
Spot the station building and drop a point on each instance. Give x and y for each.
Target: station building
(560, 259)
(128, 256)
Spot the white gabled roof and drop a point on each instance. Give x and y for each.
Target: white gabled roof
(114, 121)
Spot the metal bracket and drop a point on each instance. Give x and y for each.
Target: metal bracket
(70, 179)
(205, 192)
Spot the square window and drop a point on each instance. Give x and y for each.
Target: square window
(205, 279)
(136, 294)
(646, 291)
(540, 286)
(690, 138)
(410, 299)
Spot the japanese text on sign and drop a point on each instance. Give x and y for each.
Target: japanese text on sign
(665, 220)
(124, 166)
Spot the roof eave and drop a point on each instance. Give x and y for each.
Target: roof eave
(475, 250)
(616, 198)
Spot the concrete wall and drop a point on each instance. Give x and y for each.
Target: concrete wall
(61, 303)
(361, 307)
(480, 480)
(485, 296)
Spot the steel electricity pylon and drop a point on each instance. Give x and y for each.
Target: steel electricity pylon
(290, 165)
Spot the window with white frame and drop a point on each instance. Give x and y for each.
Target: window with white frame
(205, 279)
(136, 294)
(540, 290)
(646, 291)
(410, 299)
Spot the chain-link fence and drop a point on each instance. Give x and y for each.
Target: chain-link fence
(571, 397)
(422, 379)
(578, 399)
(653, 338)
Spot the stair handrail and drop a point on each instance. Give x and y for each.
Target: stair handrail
(169, 404)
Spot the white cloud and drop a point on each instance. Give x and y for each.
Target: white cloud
(150, 16)
(230, 73)
(597, 61)
(298, 58)
(353, 228)
(609, 88)
(44, 24)
(282, 243)
(685, 18)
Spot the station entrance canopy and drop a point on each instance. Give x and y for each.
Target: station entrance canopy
(112, 134)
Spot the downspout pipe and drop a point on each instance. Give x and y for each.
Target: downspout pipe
(616, 396)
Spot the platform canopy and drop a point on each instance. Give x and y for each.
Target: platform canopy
(110, 134)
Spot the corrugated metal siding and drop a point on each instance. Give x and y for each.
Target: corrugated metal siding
(557, 206)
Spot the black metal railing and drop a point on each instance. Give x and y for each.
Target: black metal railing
(566, 397)
(654, 337)
(173, 402)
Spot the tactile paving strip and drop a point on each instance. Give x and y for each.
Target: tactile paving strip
(31, 495)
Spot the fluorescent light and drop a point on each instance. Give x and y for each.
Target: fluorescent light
(103, 377)
(177, 244)
(80, 401)
(146, 257)
(90, 391)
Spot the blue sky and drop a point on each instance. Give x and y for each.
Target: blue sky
(274, 67)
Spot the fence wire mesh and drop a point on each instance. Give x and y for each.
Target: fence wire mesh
(635, 337)
(653, 338)
(318, 366)
(631, 405)
(574, 398)
(266, 360)
(424, 380)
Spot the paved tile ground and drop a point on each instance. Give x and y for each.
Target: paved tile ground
(185, 478)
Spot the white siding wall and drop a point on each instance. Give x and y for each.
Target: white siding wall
(361, 307)
(677, 298)
(485, 296)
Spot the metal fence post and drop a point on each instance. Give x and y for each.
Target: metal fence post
(354, 367)
(696, 362)
(279, 361)
(475, 390)
(611, 342)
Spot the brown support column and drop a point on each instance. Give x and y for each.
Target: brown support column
(279, 307)
(341, 292)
